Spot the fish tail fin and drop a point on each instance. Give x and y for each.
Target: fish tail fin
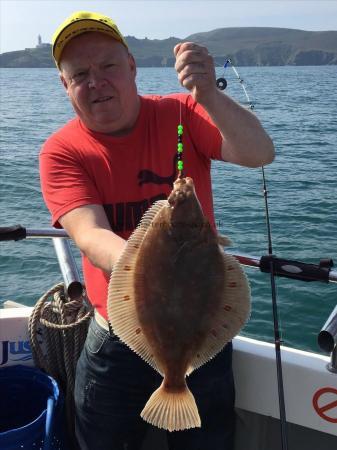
(172, 411)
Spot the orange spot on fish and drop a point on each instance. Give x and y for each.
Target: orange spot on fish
(138, 330)
(127, 268)
(227, 308)
(232, 284)
(126, 297)
(230, 267)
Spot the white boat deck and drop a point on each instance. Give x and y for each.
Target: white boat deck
(310, 390)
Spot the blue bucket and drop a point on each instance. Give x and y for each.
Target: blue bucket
(31, 410)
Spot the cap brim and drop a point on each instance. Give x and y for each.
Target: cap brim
(79, 27)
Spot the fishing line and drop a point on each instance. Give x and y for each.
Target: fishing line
(222, 84)
(180, 145)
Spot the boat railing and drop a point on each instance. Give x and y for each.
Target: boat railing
(73, 286)
(323, 272)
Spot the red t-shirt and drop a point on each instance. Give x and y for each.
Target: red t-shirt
(127, 174)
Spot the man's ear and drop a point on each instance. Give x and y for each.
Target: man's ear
(132, 63)
(64, 82)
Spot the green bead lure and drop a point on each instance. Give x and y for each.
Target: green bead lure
(180, 147)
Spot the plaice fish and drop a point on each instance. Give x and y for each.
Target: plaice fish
(176, 298)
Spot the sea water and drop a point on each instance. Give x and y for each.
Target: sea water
(297, 106)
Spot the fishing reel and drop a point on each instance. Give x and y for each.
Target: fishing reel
(221, 83)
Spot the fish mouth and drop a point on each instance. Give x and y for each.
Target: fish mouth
(176, 198)
(103, 99)
(183, 181)
(183, 188)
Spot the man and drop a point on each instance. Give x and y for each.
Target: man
(99, 174)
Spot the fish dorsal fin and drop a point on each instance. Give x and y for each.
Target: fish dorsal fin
(224, 240)
(121, 305)
(233, 314)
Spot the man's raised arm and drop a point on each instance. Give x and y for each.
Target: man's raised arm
(244, 141)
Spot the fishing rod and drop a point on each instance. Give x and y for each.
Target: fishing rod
(277, 338)
(222, 84)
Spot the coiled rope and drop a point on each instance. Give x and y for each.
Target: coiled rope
(57, 330)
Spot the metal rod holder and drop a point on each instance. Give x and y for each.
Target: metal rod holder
(72, 281)
(327, 339)
(332, 366)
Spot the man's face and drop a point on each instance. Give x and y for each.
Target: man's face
(99, 76)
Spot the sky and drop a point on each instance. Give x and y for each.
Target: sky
(22, 20)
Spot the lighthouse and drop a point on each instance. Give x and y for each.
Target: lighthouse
(41, 44)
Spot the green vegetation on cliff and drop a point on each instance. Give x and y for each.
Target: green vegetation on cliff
(249, 46)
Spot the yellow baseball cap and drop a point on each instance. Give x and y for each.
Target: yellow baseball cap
(81, 22)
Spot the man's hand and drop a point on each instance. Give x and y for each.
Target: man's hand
(195, 68)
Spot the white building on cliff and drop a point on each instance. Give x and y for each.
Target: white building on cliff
(41, 44)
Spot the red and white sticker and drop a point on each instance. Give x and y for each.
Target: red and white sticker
(325, 403)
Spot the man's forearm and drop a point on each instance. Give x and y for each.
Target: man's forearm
(89, 228)
(102, 248)
(245, 142)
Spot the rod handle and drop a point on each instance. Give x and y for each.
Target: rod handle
(297, 269)
(13, 233)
